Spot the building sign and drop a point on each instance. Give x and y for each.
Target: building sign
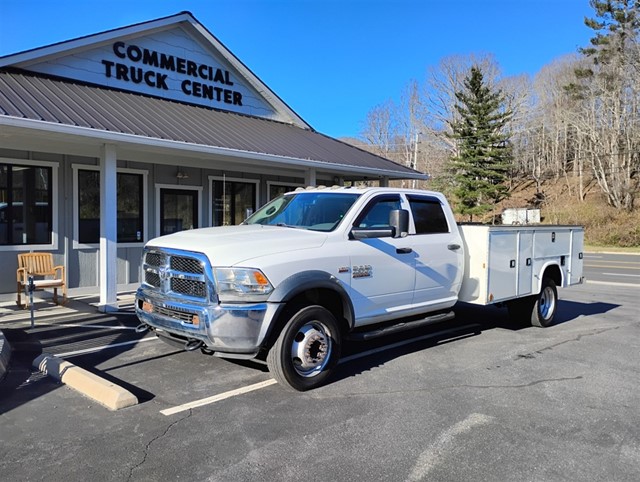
(137, 65)
(170, 64)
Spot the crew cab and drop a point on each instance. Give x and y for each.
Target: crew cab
(320, 265)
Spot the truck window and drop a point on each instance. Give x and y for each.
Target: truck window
(376, 214)
(428, 215)
(315, 211)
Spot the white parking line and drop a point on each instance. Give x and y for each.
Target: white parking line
(622, 274)
(102, 347)
(611, 283)
(217, 398)
(258, 386)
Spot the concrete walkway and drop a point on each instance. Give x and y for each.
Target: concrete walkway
(79, 305)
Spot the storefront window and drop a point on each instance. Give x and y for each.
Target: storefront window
(233, 202)
(178, 210)
(130, 201)
(25, 205)
(130, 207)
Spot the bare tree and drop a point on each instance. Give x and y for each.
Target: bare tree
(381, 129)
(608, 91)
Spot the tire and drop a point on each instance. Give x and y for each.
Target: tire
(545, 304)
(307, 349)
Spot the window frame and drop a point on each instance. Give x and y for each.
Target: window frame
(54, 205)
(76, 206)
(429, 199)
(384, 197)
(176, 187)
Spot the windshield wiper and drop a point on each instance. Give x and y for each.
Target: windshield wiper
(283, 225)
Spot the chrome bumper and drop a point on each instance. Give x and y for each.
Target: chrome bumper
(224, 328)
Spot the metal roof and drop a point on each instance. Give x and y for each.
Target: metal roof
(26, 95)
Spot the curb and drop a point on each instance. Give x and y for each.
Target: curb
(106, 393)
(5, 355)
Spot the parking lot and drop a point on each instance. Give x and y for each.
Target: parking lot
(473, 399)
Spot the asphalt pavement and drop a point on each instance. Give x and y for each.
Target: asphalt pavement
(473, 399)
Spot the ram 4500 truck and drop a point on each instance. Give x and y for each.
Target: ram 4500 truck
(317, 266)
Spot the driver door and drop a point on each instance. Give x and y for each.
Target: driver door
(382, 269)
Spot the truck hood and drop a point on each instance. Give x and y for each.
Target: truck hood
(233, 245)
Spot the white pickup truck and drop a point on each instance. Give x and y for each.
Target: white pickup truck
(317, 266)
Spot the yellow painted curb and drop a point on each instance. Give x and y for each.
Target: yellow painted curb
(102, 391)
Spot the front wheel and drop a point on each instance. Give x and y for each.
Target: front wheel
(307, 349)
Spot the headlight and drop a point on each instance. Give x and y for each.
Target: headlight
(241, 284)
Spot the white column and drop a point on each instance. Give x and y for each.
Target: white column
(108, 229)
(384, 182)
(310, 177)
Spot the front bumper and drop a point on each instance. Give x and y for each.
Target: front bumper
(223, 328)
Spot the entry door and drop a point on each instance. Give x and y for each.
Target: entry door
(178, 210)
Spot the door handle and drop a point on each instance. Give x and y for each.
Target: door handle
(404, 250)
(453, 247)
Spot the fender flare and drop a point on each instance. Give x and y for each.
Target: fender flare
(307, 280)
(553, 264)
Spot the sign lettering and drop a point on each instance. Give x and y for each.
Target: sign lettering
(203, 85)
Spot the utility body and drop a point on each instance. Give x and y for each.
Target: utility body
(317, 266)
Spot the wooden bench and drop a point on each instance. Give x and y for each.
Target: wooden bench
(40, 265)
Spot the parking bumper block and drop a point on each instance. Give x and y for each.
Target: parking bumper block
(89, 384)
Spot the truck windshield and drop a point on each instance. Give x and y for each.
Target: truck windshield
(316, 211)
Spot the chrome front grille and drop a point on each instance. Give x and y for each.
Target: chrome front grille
(152, 279)
(188, 287)
(153, 258)
(177, 313)
(177, 272)
(186, 265)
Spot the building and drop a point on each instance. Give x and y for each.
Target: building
(109, 140)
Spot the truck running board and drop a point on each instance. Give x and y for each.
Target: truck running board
(398, 327)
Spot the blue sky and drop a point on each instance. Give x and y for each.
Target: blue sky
(330, 60)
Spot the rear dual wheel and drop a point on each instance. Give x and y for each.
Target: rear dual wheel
(540, 309)
(307, 350)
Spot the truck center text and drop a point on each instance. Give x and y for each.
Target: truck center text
(152, 78)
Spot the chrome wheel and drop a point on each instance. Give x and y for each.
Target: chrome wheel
(306, 350)
(547, 303)
(311, 349)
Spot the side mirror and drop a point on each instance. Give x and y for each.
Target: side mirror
(399, 222)
(398, 227)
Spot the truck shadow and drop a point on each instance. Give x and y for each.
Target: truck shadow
(470, 321)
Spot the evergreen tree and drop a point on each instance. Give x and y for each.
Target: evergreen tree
(481, 165)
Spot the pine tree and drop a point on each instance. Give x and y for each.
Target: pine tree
(480, 167)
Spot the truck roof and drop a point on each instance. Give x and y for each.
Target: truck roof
(361, 190)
